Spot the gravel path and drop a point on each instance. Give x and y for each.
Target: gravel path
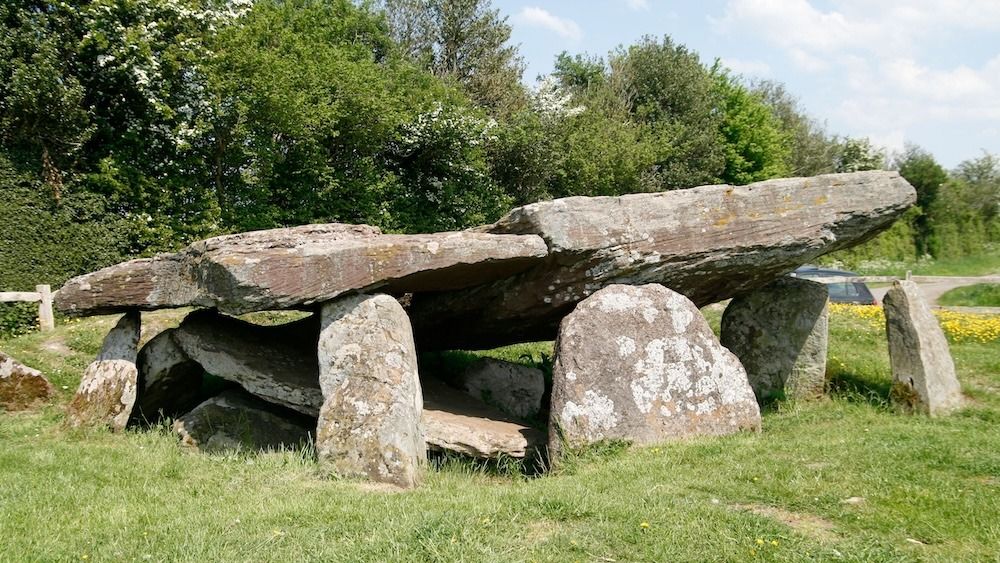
(933, 291)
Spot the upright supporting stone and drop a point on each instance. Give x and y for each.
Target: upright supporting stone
(641, 364)
(107, 391)
(780, 334)
(369, 425)
(923, 373)
(169, 381)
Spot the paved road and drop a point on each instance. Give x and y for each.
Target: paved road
(933, 291)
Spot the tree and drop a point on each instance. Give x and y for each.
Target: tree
(927, 177)
(463, 40)
(811, 151)
(756, 148)
(859, 154)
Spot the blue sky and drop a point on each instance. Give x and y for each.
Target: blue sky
(919, 71)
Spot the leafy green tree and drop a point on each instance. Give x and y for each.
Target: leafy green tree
(858, 154)
(927, 177)
(464, 40)
(811, 150)
(756, 148)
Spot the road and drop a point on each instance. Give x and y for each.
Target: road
(933, 291)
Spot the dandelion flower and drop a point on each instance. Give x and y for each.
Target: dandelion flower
(760, 541)
(644, 525)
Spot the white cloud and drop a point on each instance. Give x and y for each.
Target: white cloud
(747, 67)
(538, 17)
(637, 4)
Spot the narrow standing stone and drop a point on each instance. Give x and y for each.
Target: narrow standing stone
(923, 373)
(641, 364)
(780, 335)
(369, 424)
(107, 391)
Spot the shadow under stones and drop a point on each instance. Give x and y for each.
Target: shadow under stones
(858, 389)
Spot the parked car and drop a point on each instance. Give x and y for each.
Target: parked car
(840, 291)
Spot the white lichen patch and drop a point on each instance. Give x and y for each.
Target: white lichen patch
(596, 413)
(626, 346)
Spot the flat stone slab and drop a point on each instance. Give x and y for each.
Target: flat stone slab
(22, 387)
(709, 243)
(298, 267)
(923, 372)
(455, 422)
(513, 388)
(641, 364)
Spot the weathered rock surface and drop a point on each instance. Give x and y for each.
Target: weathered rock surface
(456, 422)
(276, 363)
(369, 425)
(640, 363)
(107, 391)
(22, 387)
(708, 243)
(235, 420)
(169, 381)
(923, 372)
(514, 389)
(780, 333)
(300, 266)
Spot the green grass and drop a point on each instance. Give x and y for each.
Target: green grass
(931, 487)
(979, 295)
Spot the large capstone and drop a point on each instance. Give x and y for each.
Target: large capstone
(107, 391)
(298, 267)
(708, 243)
(641, 364)
(369, 425)
(22, 387)
(923, 373)
(234, 420)
(780, 334)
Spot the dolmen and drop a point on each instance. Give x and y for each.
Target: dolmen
(616, 281)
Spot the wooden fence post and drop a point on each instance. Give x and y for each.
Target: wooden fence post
(46, 321)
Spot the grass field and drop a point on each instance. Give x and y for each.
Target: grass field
(844, 479)
(979, 295)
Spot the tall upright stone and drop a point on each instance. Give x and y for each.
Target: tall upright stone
(369, 424)
(107, 391)
(780, 334)
(640, 363)
(923, 373)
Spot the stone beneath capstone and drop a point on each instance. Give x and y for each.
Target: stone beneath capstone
(234, 420)
(640, 363)
(22, 387)
(369, 424)
(107, 391)
(513, 388)
(923, 373)
(169, 381)
(780, 333)
(708, 243)
(297, 267)
(276, 363)
(455, 422)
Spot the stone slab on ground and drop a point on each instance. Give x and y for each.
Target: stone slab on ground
(298, 267)
(235, 420)
(22, 387)
(641, 364)
(370, 422)
(455, 422)
(107, 391)
(277, 363)
(923, 372)
(780, 334)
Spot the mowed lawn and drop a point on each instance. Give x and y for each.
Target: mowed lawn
(845, 478)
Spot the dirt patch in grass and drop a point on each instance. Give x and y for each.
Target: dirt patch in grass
(808, 525)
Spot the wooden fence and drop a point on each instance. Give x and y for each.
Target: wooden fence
(43, 295)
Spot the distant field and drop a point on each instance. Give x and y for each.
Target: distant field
(979, 295)
(846, 478)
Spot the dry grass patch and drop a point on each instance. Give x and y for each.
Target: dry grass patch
(808, 525)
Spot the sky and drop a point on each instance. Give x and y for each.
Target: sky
(924, 72)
